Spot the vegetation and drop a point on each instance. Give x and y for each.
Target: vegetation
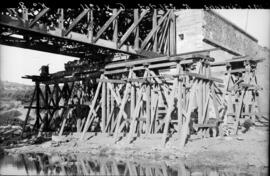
(15, 91)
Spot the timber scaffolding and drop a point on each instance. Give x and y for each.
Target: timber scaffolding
(140, 96)
(135, 98)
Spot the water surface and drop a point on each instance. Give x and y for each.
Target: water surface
(42, 164)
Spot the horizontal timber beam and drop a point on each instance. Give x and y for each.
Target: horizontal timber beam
(180, 57)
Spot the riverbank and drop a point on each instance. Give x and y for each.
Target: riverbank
(244, 150)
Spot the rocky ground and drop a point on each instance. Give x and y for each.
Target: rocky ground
(244, 150)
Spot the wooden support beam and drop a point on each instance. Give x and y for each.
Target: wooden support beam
(204, 77)
(214, 98)
(154, 105)
(200, 95)
(148, 107)
(89, 119)
(112, 81)
(184, 56)
(180, 99)
(132, 97)
(37, 123)
(121, 109)
(169, 111)
(134, 116)
(63, 125)
(185, 128)
(75, 22)
(239, 110)
(237, 59)
(38, 16)
(108, 104)
(106, 25)
(104, 107)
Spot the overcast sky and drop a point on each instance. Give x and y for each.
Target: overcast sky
(16, 62)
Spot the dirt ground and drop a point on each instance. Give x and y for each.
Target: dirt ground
(248, 149)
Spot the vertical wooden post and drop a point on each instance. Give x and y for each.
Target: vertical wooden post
(37, 123)
(55, 96)
(108, 105)
(148, 107)
(112, 109)
(185, 127)
(169, 111)
(133, 97)
(104, 107)
(200, 95)
(179, 97)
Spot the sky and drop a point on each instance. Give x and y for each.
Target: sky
(16, 62)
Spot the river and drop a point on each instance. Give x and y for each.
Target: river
(76, 164)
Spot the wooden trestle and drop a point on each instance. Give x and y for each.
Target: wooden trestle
(166, 95)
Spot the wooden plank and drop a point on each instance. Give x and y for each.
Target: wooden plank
(104, 107)
(135, 114)
(121, 109)
(154, 113)
(204, 77)
(89, 119)
(148, 108)
(37, 105)
(182, 56)
(239, 110)
(112, 81)
(179, 100)
(108, 103)
(132, 98)
(62, 126)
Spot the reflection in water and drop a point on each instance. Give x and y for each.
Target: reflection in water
(41, 164)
